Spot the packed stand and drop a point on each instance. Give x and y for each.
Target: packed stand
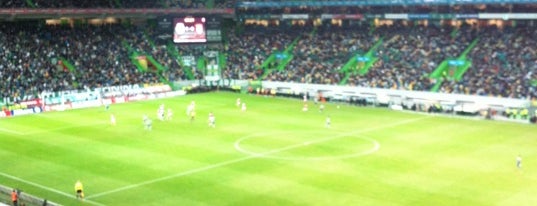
(415, 9)
(248, 50)
(98, 4)
(410, 54)
(12, 4)
(187, 4)
(503, 64)
(32, 58)
(27, 64)
(73, 4)
(320, 55)
(98, 55)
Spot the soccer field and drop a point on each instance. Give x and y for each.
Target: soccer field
(272, 154)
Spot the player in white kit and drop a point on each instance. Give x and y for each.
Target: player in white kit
(212, 120)
(113, 120)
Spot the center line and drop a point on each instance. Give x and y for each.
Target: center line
(229, 162)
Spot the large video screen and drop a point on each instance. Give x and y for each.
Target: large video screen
(189, 30)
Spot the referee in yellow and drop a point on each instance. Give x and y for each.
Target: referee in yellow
(79, 189)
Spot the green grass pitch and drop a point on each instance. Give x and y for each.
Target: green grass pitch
(272, 154)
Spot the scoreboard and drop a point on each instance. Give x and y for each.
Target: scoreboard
(189, 30)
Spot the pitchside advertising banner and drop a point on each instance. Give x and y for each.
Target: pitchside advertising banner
(6, 101)
(112, 95)
(60, 101)
(27, 106)
(342, 16)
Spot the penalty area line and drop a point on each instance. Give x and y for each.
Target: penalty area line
(47, 188)
(233, 161)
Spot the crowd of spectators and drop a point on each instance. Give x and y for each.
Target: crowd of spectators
(417, 9)
(71, 4)
(248, 50)
(32, 55)
(32, 58)
(12, 3)
(410, 54)
(116, 4)
(200, 4)
(503, 61)
(503, 64)
(26, 63)
(264, 10)
(320, 54)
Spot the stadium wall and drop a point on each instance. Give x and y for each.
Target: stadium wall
(60, 101)
(459, 102)
(393, 98)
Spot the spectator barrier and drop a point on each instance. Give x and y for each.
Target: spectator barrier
(457, 102)
(24, 199)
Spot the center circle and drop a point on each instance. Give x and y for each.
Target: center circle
(308, 146)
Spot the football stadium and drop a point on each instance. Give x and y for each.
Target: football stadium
(268, 102)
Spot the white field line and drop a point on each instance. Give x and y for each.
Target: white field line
(242, 159)
(72, 196)
(11, 131)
